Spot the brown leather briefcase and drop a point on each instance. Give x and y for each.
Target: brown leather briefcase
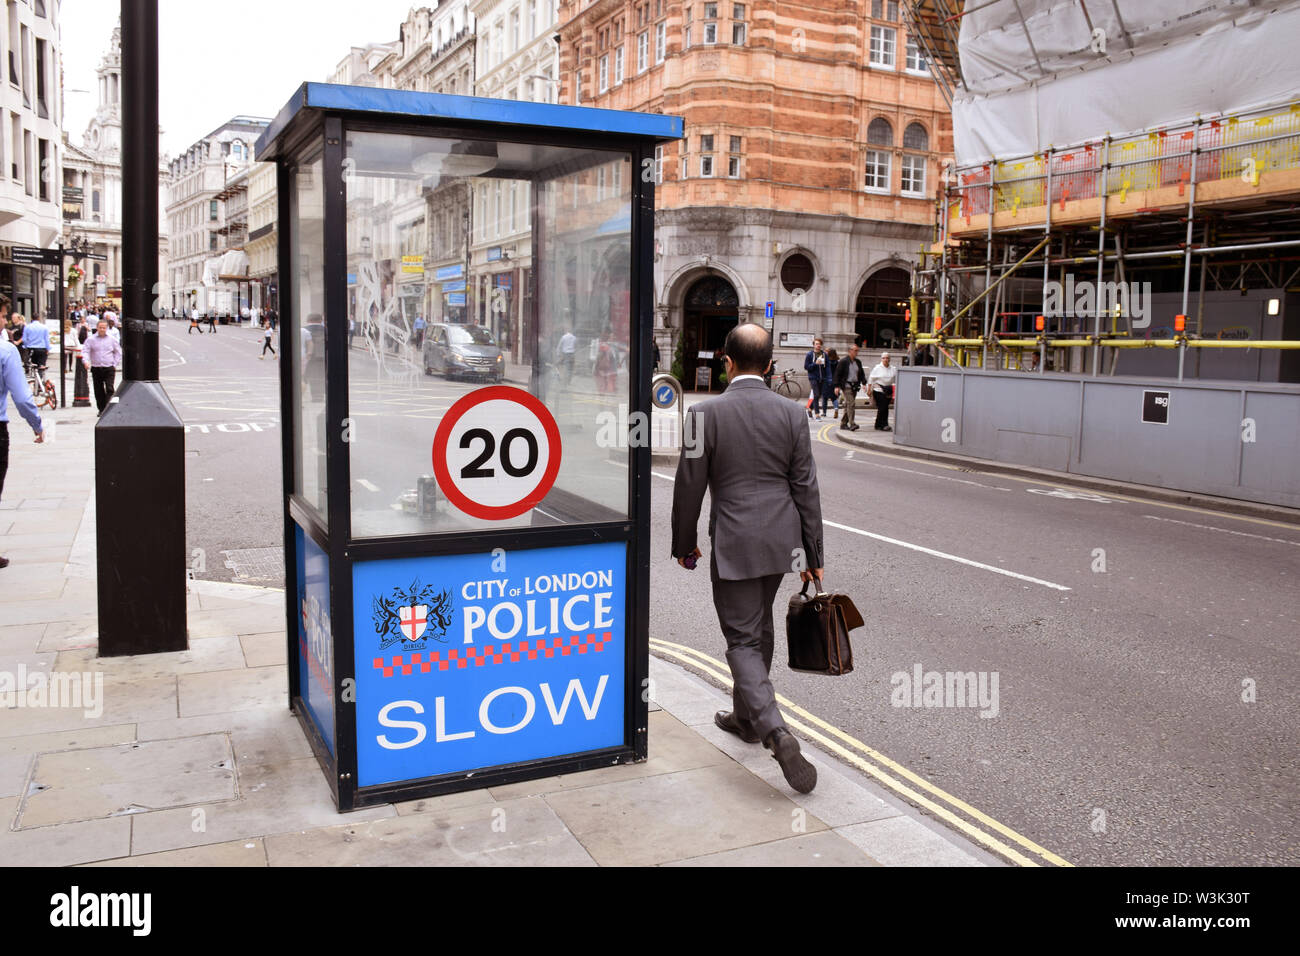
(817, 632)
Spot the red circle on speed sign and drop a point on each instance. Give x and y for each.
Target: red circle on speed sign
(496, 453)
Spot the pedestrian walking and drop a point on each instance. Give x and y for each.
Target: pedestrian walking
(266, 341)
(212, 322)
(849, 377)
(605, 371)
(566, 351)
(16, 330)
(14, 384)
(814, 363)
(881, 383)
(101, 353)
(194, 323)
(755, 459)
(420, 325)
(832, 362)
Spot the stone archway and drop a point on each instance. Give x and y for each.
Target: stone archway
(710, 309)
(879, 311)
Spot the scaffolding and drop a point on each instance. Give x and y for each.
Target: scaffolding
(1210, 204)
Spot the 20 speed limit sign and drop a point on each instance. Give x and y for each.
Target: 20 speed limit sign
(496, 453)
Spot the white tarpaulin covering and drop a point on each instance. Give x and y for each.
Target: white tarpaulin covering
(1169, 61)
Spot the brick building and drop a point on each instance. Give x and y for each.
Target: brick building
(815, 140)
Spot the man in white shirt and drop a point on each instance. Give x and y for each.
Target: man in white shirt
(565, 351)
(881, 383)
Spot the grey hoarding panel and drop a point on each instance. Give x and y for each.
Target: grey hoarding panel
(1093, 426)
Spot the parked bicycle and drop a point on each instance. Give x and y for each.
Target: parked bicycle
(786, 382)
(43, 392)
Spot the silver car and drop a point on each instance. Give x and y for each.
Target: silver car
(463, 350)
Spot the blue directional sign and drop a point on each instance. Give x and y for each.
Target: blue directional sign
(456, 298)
(664, 395)
(481, 660)
(769, 310)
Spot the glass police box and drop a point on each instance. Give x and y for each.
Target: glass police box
(466, 300)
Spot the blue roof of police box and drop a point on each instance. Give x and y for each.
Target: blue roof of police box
(407, 103)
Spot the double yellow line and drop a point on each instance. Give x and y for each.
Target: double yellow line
(886, 771)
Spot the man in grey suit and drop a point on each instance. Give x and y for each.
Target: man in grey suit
(753, 454)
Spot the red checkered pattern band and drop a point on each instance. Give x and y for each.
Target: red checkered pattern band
(491, 654)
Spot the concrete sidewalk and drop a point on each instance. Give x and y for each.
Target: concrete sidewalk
(194, 758)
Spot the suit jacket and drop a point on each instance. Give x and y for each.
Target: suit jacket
(842, 374)
(755, 458)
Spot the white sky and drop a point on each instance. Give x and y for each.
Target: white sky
(222, 59)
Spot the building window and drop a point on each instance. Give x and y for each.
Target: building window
(642, 52)
(577, 86)
(914, 137)
(514, 31)
(797, 273)
(618, 66)
(915, 60)
(710, 23)
(212, 210)
(600, 183)
(739, 30)
(877, 180)
(685, 169)
(212, 242)
(661, 42)
(659, 165)
(882, 46)
(733, 160)
(706, 156)
(881, 10)
(604, 73)
(686, 29)
(45, 162)
(913, 175)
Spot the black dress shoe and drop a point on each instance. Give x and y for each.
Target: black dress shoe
(799, 773)
(4, 563)
(886, 429)
(728, 722)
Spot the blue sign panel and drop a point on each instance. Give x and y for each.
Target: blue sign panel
(315, 642)
(456, 298)
(454, 286)
(448, 272)
(480, 660)
(494, 254)
(769, 310)
(664, 395)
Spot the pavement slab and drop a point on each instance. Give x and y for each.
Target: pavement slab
(65, 845)
(234, 853)
(232, 690)
(813, 849)
(523, 832)
(678, 815)
(102, 782)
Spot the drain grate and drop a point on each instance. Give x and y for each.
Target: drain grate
(256, 564)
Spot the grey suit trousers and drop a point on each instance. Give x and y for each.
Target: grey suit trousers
(745, 613)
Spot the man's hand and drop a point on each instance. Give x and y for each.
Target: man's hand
(40, 437)
(696, 554)
(814, 574)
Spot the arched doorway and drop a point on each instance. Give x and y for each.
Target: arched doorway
(709, 311)
(882, 301)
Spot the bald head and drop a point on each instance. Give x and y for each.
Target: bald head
(750, 348)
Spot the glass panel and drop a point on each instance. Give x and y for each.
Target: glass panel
(307, 250)
(430, 327)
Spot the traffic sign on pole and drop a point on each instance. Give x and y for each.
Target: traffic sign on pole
(496, 453)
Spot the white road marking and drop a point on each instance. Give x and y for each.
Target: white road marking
(1210, 527)
(367, 485)
(926, 474)
(946, 556)
(177, 354)
(1072, 495)
(929, 551)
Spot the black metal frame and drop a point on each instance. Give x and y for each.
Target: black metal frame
(336, 540)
